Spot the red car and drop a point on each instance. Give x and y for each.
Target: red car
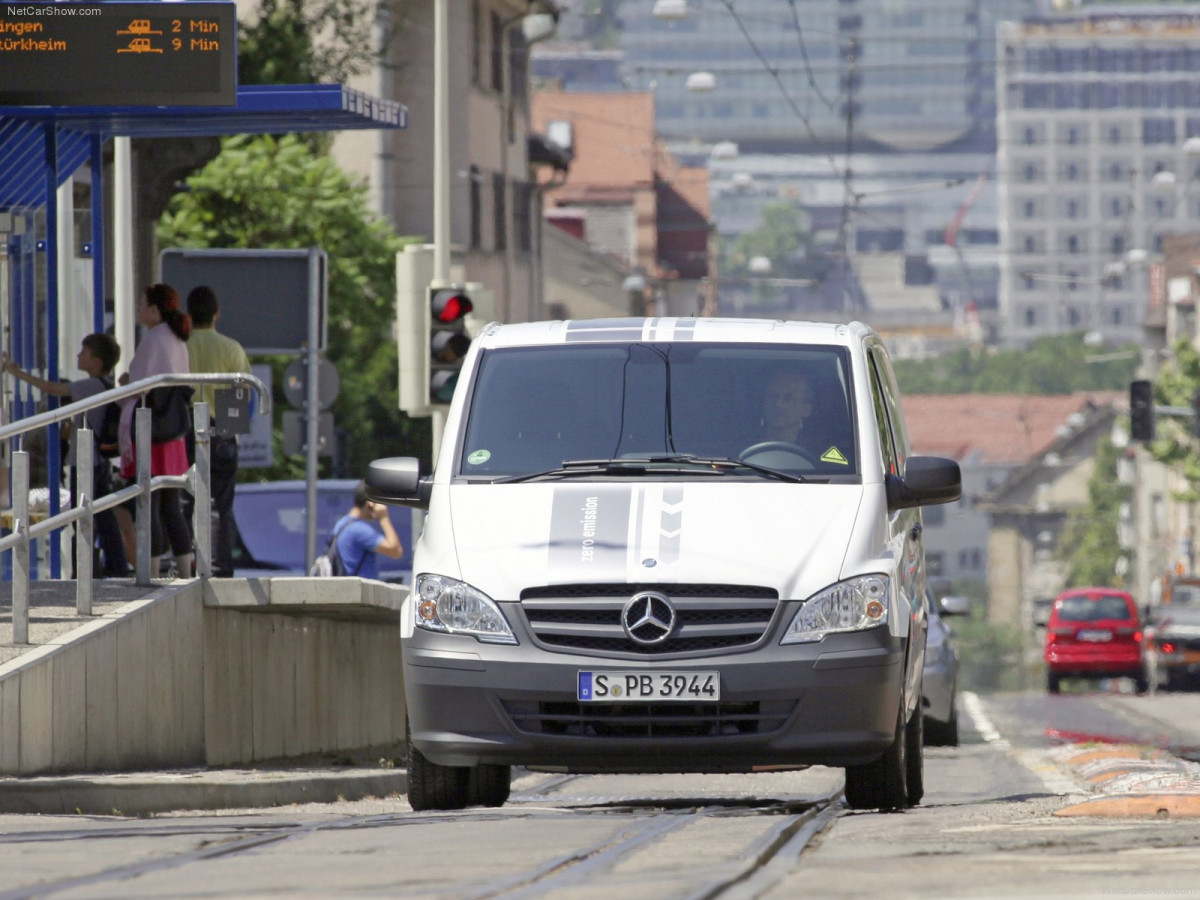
(1094, 632)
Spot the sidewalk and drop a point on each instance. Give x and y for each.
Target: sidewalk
(148, 793)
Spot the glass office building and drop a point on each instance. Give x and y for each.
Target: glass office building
(822, 74)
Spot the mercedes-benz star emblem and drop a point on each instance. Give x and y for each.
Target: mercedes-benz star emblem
(648, 617)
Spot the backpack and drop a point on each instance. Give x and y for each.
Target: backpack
(329, 564)
(107, 434)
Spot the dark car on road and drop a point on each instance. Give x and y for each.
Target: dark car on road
(1175, 635)
(1095, 633)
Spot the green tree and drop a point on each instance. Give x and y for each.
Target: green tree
(1089, 543)
(301, 41)
(1059, 364)
(1176, 385)
(268, 192)
(781, 235)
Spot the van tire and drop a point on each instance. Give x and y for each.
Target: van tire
(431, 786)
(882, 783)
(1052, 682)
(490, 785)
(914, 757)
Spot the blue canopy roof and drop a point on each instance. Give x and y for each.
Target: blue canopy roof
(260, 109)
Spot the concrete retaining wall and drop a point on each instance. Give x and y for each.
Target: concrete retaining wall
(222, 673)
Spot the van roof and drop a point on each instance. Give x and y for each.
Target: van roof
(672, 329)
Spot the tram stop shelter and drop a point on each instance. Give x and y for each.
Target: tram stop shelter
(43, 147)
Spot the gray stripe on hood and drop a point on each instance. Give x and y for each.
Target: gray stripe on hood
(670, 526)
(588, 527)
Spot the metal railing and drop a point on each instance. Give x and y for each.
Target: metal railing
(84, 507)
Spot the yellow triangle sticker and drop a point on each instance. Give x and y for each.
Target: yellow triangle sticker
(834, 455)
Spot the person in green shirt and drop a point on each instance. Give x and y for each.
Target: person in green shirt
(210, 351)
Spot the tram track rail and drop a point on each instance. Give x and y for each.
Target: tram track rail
(642, 825)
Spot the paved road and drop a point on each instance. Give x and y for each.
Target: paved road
(987, 828)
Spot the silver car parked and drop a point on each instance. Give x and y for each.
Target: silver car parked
(939, 690)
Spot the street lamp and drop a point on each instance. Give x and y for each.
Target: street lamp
(724, 150)
(701, 82)
(670, 10)
(635, 288)
(1163, 181)
(538, 27)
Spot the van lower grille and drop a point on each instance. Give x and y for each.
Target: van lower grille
(649, 720)
(708, 618)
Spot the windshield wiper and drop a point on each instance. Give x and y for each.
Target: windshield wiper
(725, 463)
(572, 468)
(650, 465)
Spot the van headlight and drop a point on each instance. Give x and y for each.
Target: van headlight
(847, 606)
(454, 607)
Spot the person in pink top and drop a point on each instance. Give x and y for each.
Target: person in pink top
(162, 350)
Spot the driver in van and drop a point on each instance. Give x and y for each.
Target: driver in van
(787, 402)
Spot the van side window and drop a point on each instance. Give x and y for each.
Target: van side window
(891, 398)
(879, 404)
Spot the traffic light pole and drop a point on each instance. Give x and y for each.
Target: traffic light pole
(1143, 411)
(441, 177)
(441, 145)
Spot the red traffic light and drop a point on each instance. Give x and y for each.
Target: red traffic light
(449, 306)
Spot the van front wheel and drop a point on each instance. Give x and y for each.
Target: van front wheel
(431, 786)
(490, 785)
(883, 783)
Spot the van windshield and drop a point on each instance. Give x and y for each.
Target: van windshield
(785, 408)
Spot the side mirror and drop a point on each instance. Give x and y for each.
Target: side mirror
(397, 481)
(954, 605)
(927, 480)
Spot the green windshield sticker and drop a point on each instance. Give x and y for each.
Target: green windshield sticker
(834, 455)
(478, 457)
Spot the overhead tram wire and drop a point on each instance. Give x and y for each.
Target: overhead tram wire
(773, 72)
(807, 63)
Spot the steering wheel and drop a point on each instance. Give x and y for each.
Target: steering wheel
(782, 446)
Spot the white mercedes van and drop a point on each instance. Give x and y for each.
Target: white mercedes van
(668, 545)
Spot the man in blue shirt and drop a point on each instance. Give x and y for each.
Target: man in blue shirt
(365, 532)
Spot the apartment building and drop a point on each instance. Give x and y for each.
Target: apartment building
(1099, 152)
(494, 198)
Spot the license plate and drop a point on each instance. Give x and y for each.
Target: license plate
(644, 687)
(1094, 635)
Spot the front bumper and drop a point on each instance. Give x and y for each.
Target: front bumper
(831, 702)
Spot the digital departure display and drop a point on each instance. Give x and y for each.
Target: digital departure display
(118, 54)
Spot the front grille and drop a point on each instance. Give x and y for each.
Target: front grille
(708, 618)
(564, 591)
(649, 720)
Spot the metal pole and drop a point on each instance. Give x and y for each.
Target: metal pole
(312, 415)
(441, 144)
(124, 317)
(84, 528)
(20, 553)
(141, 430)
(201, 487)
(53, 457)
(98, 247)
